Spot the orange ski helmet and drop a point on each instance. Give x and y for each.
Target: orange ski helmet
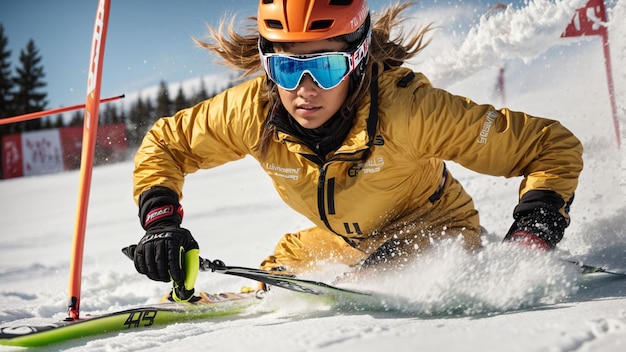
(312, 20)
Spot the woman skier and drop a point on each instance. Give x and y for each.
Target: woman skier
(352, 140)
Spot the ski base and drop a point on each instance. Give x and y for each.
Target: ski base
(210, 306)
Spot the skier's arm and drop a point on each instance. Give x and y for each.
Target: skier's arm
(507, 143)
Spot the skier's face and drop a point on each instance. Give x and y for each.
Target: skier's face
(310, 105)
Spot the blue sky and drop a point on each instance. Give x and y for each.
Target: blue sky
(147, 41)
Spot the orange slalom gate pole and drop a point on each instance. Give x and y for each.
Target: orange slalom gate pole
(87, 155)
(38, 114)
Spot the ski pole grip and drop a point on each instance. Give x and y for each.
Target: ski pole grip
(192, 267)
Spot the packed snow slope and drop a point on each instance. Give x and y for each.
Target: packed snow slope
(500, 300)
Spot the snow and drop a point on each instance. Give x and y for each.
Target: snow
(448, 300)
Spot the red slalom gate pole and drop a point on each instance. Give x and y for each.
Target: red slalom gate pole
(609, 79)
(38, 114)
(87, 155)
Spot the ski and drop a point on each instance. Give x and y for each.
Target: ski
(209, 306)
(591, 269)
(206, 306)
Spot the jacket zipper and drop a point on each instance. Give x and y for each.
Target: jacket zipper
(322, 197)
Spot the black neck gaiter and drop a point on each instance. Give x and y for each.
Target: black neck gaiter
(322, 140)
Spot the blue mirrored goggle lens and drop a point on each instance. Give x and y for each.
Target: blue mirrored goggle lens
(327, 70)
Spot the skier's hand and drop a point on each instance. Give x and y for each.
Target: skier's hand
(167, 252)
(541, 228)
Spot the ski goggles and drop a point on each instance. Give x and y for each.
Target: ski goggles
(327, 70)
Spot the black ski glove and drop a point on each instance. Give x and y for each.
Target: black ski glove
(538, 222)
(167, 252)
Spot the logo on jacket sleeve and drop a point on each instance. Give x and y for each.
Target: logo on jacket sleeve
(484, 132)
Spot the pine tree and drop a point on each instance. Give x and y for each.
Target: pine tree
(151, 116)
(180, 102)
(122, 117)
(202, 94)
(140, 119)
(6, 83)
(58, 122)
(46, 122)
(163, 102)
(110, 115)
(77, 118)
(134, 121)
(29, 80)
(6, 86)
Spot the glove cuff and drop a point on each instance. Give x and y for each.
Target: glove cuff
(538, 215)
(159, 205)
(538, 199)
(529, 240)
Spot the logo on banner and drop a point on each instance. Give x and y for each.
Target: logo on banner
(42, 152)
(588, 20)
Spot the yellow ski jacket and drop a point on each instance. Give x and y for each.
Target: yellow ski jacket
(381, 172)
